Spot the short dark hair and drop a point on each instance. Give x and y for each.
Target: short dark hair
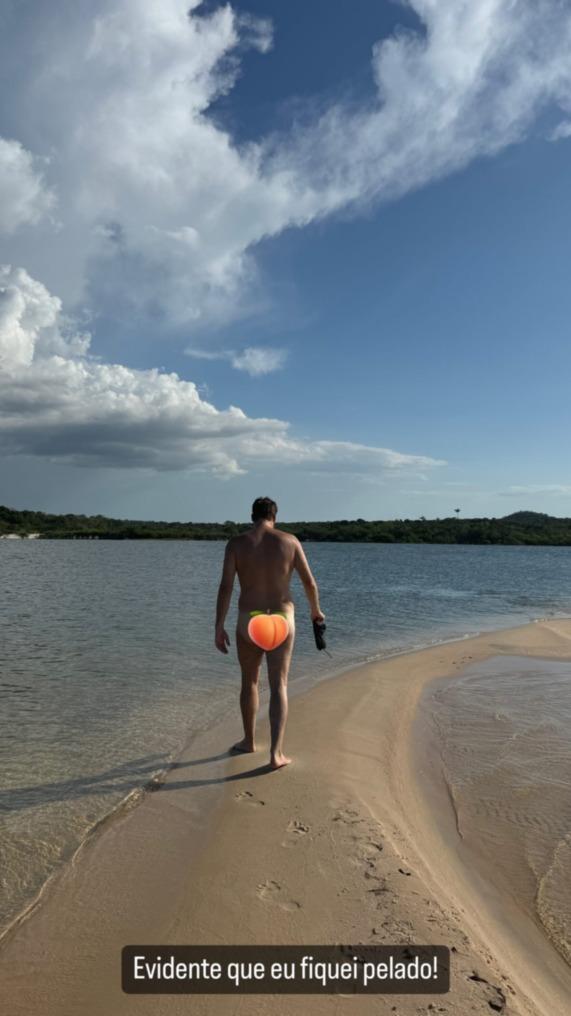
(264, 508)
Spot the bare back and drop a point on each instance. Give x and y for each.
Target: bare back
(265, 560)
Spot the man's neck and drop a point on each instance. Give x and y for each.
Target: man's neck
(264, 524)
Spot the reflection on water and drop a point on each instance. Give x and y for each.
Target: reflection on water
(107, 665)
(504, 733)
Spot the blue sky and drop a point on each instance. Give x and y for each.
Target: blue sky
(348, 221)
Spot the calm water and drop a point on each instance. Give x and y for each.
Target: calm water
(504, 732)
(107, 666)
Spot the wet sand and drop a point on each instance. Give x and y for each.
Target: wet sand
(357, 841)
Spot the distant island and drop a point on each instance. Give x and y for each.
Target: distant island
(523, 527)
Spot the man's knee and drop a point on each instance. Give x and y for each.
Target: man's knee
(278, 683)
(250, 677)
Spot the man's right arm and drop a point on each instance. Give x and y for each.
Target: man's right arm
(309, 584)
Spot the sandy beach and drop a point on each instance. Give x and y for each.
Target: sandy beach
(356, 842)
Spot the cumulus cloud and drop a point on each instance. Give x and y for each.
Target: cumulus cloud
(58, 401)
(24, 196)
(255, 360)
(110, 127)
(161, 209)
(32, 323)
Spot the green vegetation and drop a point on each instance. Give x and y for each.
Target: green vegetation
(518, 528)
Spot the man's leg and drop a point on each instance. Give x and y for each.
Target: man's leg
(250, 658)
(278, 669)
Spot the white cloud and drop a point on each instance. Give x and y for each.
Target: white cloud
(24, 196)
(469, 87)
(32, 324)
(160, 209)
(255, 360)
(338, 456)
(59, 402)
(109, 125)
(562, 131)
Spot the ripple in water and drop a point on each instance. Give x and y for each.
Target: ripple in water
(504, 733)
(107, 665)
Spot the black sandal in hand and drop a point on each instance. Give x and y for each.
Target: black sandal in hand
(319, 628)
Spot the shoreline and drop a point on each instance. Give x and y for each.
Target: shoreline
(299, 686)
(132, 882)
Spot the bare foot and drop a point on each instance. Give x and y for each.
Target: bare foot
(279, 760)
(243, 746)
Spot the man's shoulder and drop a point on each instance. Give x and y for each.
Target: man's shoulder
(288, 538)
(245, 539)
(236, 541)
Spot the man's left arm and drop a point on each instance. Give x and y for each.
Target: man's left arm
(221, 639)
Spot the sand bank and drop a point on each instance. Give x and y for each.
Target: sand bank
(355, 842)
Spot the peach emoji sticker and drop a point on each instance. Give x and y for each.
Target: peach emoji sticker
(268, 631)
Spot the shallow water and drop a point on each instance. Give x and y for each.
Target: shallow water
(504, 736)
(107, 666)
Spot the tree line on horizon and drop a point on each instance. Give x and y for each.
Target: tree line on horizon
(519, 528)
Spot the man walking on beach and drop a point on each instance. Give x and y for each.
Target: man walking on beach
(264, 559)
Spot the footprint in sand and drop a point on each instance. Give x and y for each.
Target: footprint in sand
(299, 828)
(296, 831)
(247, 797)
(368, 852)
(272, 892)
(493, 995)
(348, 815)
